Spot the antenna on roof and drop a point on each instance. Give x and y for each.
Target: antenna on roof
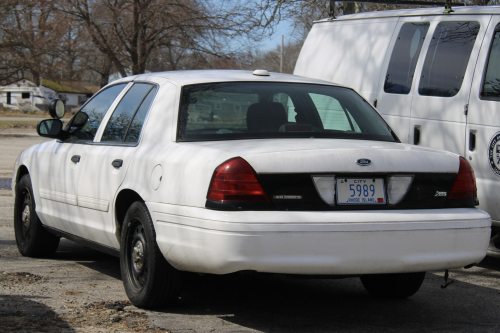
(447, 4)
(447, 7)
(332, 10)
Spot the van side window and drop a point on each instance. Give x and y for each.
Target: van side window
(491, 85)
(404, 57)
(447, 58)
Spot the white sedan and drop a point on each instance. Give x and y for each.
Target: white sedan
(236, 171)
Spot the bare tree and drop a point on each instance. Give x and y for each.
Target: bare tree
(128, 32)
(29, 32)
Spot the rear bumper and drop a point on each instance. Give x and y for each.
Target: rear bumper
(208, 241)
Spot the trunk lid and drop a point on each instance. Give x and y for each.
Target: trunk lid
(336, 155)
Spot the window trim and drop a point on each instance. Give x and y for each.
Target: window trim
(485, 69)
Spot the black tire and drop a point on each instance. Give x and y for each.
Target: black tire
(149, 280)
(32, 239)
(393, 285)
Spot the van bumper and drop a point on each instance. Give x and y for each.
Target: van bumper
(331, 243)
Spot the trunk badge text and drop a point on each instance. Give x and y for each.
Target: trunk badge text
(287, 197)
(440, 194)
(363, 162)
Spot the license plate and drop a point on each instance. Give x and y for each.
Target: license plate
(360, 191)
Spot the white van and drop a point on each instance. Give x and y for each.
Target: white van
(434, 77)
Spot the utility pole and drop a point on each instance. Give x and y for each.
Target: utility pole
(281, 58)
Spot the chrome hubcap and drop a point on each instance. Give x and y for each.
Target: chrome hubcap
(25, 216)
(138, 256)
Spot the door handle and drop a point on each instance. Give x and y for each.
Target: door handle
(75, 158)
(117, 163)
(416, 135)
(472, 141)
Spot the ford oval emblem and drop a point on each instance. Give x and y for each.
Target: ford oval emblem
(363, 162)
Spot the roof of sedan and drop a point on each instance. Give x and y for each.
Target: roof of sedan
(224, 75)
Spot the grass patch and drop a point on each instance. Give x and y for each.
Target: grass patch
(4, 112)
(6, 124)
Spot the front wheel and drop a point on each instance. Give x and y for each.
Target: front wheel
(32, 239)
(149, 280)
(400, 285)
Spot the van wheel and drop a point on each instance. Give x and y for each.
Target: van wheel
(149, 280)
(393, 285)
(32, 239)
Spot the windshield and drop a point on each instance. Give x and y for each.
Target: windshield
(257, 110)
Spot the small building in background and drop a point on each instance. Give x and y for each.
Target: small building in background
(30, 97)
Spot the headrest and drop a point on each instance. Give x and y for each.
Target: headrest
(267, 116)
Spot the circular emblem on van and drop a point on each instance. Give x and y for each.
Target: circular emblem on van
(494, 154)
(363, 162)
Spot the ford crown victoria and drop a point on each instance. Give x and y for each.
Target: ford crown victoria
(235, 171)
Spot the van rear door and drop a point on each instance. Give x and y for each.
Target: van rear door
(347, 51)
(483, 123)
(397, 79)
(438, 119)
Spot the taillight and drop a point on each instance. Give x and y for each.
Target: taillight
(465, 183)
(236, 181)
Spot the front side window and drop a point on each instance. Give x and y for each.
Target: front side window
(120, 122)
(491, 84)
(276, 110)
(404, 57)
(86, 121)
(447, 58)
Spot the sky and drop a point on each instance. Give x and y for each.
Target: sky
(285, 29)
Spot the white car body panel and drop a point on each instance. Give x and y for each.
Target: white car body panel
(173, 178)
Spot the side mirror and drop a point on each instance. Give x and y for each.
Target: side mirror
(80, 119)
(50, 128)
(57, 109)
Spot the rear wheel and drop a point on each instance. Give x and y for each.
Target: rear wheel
(32, 239)
(149, 280)
(393, 285)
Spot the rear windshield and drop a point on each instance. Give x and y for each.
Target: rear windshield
(259, 110)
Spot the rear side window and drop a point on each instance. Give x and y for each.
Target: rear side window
(135, 127)
(491, 85)
(447, 58)
(404, 57)
(86, 122)
(120, 121)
